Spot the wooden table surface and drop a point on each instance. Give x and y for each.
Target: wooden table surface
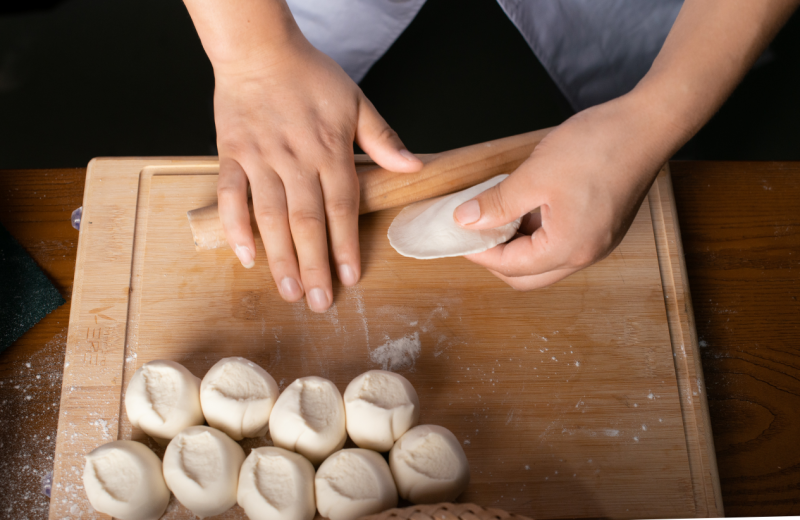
(741, 234)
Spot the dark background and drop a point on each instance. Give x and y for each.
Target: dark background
(87, 78)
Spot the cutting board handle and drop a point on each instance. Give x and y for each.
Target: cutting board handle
(442, 173)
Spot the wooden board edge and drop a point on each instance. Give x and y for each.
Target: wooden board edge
(125, 174)
(130, 363)
(60, 504)
(686, 353)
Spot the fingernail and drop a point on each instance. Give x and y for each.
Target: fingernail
(317, 300)
(245, 255)
(408, 155)
(290, 289)
(346, 275)
(468, 213)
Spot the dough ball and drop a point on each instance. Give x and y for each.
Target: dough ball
(123, 479)
(353, 483)
(163, 398)
(237, 397)
(201, 467)
(309, 418)
(276, 484)
(380, 406)
(429, 465)
(428, 230)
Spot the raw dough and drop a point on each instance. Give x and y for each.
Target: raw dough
(428, 230)
(380, 406)
(163, 398)
(353, 483)
(276, 484)
(237, 397)
(429, 465)
(309, 418)
(201, 467)
(123, 479)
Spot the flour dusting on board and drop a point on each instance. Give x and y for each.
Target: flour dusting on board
(30, 456)
(357, 293)
(397, 354)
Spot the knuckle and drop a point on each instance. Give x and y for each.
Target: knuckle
(341, 208)
(229, 186)
(589, 253)
(306, 219)
(281, 263)
(314, 273)
(270, 217)
(314, 270)
(387, 133)
(228, 146)
(493, 200)
(232, 146)
(330, 137)
(287, 150)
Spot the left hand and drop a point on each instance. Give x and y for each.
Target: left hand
(588, 177)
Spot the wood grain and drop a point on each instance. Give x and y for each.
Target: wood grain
(569, 391)
(741, 235)
(752, 413)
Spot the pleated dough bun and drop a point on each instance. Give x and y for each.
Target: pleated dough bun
(276, 484)
(201, 467)
(380, 406)
(163, 398)
(429, 465)
(123, 479)
(237, 397)
(353, 483)
(308, 418)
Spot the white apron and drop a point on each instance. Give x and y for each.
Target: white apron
(595, 50)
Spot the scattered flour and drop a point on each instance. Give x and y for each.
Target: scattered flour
(103, 425)
(357, 293)
(27, 457)
(398, 354)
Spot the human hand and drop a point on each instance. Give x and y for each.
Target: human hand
(588, 177)
(286, 127)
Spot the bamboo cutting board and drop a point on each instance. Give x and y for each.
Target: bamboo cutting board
(584, 399)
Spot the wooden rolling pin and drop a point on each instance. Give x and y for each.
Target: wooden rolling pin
(443, 173)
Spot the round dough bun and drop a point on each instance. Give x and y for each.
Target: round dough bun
(201, 467)
(309, 418)
(163, 398)
(380, 406)
(429, 465)
(237, 397)
(427, 229)
(276, 484)
(353, 483)
(123, 479)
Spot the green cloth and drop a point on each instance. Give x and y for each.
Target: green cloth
(26, 295)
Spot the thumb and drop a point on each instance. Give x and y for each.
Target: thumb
(499, 205)
(380, 142)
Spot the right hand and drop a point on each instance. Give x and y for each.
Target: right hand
(285, 126)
